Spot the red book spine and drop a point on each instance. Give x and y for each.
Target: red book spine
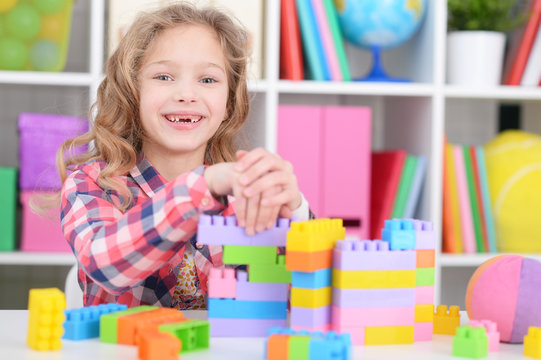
(290, 42)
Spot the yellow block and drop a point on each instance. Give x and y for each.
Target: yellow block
(373, 279)
(532, 343)
(446, 322)
(314, 235)
(424, 313)
(388, 335)
(311, 298)
(45, 319)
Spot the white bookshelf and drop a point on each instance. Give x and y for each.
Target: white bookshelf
(412, 116)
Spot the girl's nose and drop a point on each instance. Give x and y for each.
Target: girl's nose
(185, 93)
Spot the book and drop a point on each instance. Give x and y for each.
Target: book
(478, 196)
(532, 72)
(452, 233)
(474, 204)
(386, 169)
(416, 187)
(466, 221)
(290, 42)
(485, 195)
(404, 187)
(329, 49)
(338, 39)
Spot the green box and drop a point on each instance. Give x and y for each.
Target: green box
(193, 335)
(270, 273)
(8, 208)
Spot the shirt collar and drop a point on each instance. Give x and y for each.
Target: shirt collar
(146, 176)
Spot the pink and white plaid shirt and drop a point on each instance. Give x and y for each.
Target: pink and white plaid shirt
(133, 257)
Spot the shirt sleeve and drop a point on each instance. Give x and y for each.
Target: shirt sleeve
(120, 249)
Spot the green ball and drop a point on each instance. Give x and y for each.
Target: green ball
(2, 27)
(49, 6)
(45, 56)
(13, 54)
(23, 22)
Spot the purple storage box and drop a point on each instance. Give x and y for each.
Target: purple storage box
(40, 138)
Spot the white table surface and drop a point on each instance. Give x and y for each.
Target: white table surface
(13, 327)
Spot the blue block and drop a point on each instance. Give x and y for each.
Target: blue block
(330, 346)
(399, 233)
(312, 280)
(84, 323)
(238, 309)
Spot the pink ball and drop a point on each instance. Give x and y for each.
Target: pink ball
(507, 290)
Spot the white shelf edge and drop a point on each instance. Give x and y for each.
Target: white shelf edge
(46, 78)
(259, 85)
(499, 92)
(36, 258)
(473, 260)
(355, 88)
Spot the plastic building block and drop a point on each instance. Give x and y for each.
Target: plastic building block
(276, 347)
(222, 283)
(46, 315)
(330, 346)
(399, 233)
(378, 279)
(301, 316)
(423, 331)
(252, 291)
(229, 308)
(311, 298)
(84, 323)
(491, 332)
(425, 238)
(470, 342)
(388, 335)
(446, 322)
(312, 280)
(220, 230)
(364, 298)
(299, 346)
(371, 255)
(357, 317)
(424, 277)
(194, 335)
(532, 342)
(426, 258)
(109, 322)
(424, 295)
(308, 261)
(127, 324)
(155, 345)
(424, 313)
(248, 255)
(314, 235)
(270, 273)
(243, 327)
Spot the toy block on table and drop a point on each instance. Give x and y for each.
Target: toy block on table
(253, 291)
(229, 327)
(532, 342)
(223, 230)
(312, 280)
(371, 255)
(314, 235)
(84, 323)
(270, 273)
(424, 295)
(425, 238)
(377, 279)
(248, 255)
(365, 298)
(311, 298)
(109, 322)
(470, 342)
(231, 308)
(308, 261)
(155, 345)
(194, 335)
(399, 233)
(45, 318)
(127, 325)
(222, 283)
(491, 331)
(446, 322)
(388, 335)
(310, 318)
(424, 277)
(424, 322)
(344, 319)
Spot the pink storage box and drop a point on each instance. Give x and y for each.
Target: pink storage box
(40, 232)
(40, 138)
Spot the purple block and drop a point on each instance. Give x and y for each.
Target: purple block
(40, 137)
(425, 238)
(243, 327)
(220, 230)
(300, 316)
(371, 255)
(366, 298)
(528, 309)
(251, 291)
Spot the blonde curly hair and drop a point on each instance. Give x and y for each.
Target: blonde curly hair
(116, 134)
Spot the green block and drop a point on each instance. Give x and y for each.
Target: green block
(194, 335)
(470, 342)
(270, 273)
(424, 277)
(109, 322)
(8, 207)
(299, 347)
(249, 255)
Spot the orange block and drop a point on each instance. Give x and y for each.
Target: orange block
(308, 261)
(277, 347)
(127, 324)
(158, 346)
(426, 258)
(152, 325)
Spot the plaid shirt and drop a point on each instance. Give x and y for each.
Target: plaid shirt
(132, 257)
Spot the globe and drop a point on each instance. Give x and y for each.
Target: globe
(379, 24)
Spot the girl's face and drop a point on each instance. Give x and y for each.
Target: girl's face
(183, 93)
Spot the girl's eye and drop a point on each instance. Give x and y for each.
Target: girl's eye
(208, 80)
(163, 77)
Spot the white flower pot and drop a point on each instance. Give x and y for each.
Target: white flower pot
(475, 58)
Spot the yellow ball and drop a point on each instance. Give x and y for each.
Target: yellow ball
(53, 27)
(6, 5)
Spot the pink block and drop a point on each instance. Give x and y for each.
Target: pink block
(423, 331)
(491, 331)
(348, 317)
(41, 233)
(357, 333)
(371, 255)
(424, 295)
(222, 283)
(322, 328)
(221, 327)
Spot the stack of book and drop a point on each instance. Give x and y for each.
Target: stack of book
(396, 181)
(310, 34)
(468, 223)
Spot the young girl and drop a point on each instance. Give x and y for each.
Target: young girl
(161, 153)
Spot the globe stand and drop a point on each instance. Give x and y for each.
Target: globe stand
(377, 73)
